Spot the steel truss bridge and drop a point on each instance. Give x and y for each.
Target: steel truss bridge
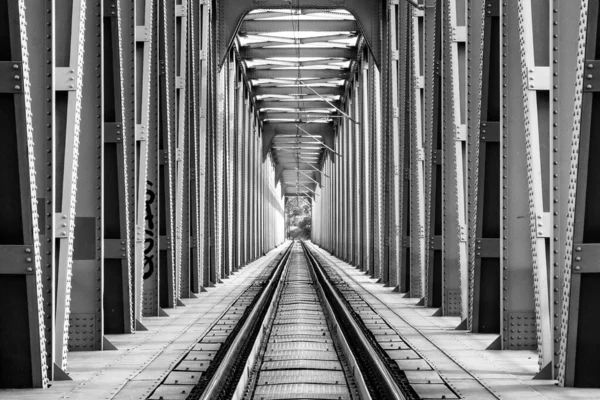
(446, 148)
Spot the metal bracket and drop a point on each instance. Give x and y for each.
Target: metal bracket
(203, 55)
(395, 112)
(110, 8)
(436, 157)
(492, 8)
(11, 77)
(462, 233)
(180, 10)
(420, 153)
(461, 132)
(61, 225)
(395, 55)
(459, 33)
(17, 260)
(179, 82)
(112, 132)
(487, 248)
(585, 258)
(420, 81)
(140, 133)
(179, 155)
(115, 249)
(490, 131)
(592, 76)
(140, 234)
(65, 79)
(142, 34)
(543, 225)
(538, 78)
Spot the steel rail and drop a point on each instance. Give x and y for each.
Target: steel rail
(386, 382)
(223, 373)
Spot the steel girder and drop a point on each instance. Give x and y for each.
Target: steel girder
(297, 91)
(302, 73)
(231, 12)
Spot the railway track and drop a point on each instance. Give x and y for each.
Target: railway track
(297, 337)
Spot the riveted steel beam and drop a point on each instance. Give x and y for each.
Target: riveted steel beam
(295, 105)
(231, 12)
(302, 52)
(298, 91)
(319, 25)
(297, 73)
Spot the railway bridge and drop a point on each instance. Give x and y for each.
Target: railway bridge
(445, 148)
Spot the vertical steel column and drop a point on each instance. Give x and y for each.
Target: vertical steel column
(395, 196)
(433, 154)
(219, 149)
(378, 172)
(23, 326)
(417, 153)
(146, 260)
(240, 174)
(350, 188)
(578, 363)
(535, 72)
(119, 167)
(483, 127)
(516, 276)
(68, 107)
(455, 271)
(568, 23)
(182, 170)
(366, 170)
(202, 140)
(86, 292)
(166, 155)
(358, 171)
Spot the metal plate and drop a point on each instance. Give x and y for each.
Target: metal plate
(423, 377)
(302, 391)
(310, 346)
(202, 346)
(302, 364)
(301, 354)
(413, 365)
(194, 366)
(183, 378)
(299, 338)
(394, 346)
(171, 392)
(433, 391)
(300, 328)
(402, 354)
(387, 338)
(303, 320)
(196, 355)
(301, 376)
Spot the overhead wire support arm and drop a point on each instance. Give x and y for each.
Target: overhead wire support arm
(308, 176)
(328, 102)
(306, 187)
(305, 160)
(314, 137)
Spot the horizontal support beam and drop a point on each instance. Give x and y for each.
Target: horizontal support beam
(303, 118)
(296, 64)
(296, 90)
(317, 25)
(349, 53)
(294, 105)
(293, 73)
